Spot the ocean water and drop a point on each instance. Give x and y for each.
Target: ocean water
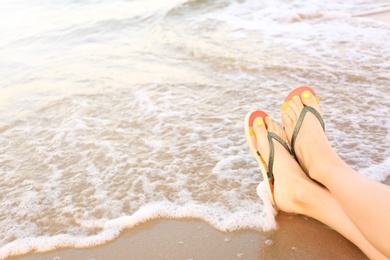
(116, 112)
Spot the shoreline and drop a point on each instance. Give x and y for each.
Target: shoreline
(298, 237)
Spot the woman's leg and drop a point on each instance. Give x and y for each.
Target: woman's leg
(296, 193)
(365, 202)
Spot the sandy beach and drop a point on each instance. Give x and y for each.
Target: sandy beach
(298, 237)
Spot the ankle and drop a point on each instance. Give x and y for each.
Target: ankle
(294, 197)
(322, 167)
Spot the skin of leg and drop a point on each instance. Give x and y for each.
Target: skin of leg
(365, 202)
(296, 193)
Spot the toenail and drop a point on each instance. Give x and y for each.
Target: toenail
(289, 108)
(295, 97)
(306, 94)
(290, 102)
(260, 121)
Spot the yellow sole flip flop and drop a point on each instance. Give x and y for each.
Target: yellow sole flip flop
(266, 169)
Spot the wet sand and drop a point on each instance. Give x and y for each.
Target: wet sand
(383, 15)
(297, 237)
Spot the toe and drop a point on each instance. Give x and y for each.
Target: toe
(288, 122)
(308, 99)
(298, 103)
(259, 126)
(270, 124)
(292, 114)
(273, 127)
(260, 129)
(296, 108)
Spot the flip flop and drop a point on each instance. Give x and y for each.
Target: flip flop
(266, 169)
(298, 92)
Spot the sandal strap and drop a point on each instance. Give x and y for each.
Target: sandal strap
(299, 124)
(274, 136)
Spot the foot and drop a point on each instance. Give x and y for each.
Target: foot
(312, 147)
(291, 185)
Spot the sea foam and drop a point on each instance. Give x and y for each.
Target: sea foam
(140, 116)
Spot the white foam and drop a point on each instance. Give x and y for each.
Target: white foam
(119, 184)
(377, 172)
(269, 211)
(95, 182)
(85, 167)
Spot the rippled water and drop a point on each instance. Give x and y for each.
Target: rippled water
(115, 112)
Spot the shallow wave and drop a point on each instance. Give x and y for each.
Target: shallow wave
(79, 166)
(77, 171)
(82, 169)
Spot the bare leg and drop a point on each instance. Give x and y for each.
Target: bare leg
(296, 193)
(365, 202)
